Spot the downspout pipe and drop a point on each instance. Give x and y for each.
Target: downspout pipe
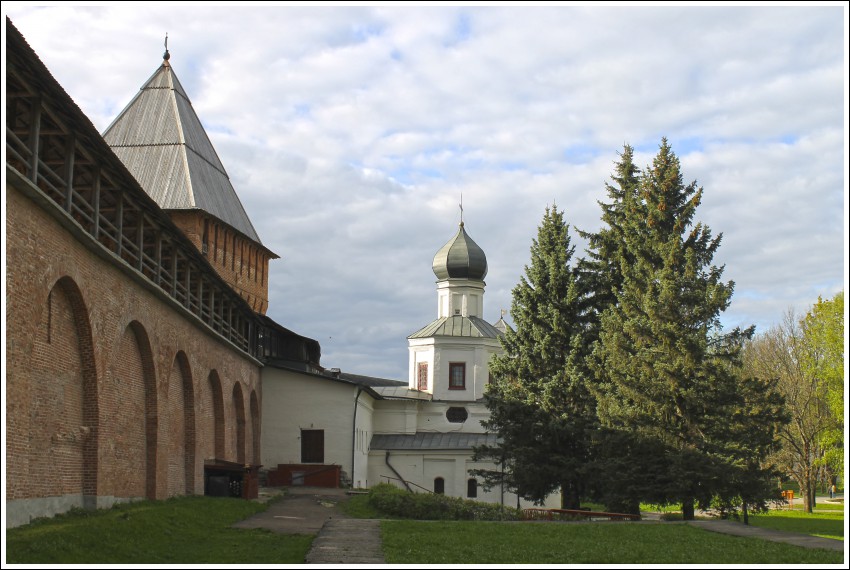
(400, 478)
(354, 433)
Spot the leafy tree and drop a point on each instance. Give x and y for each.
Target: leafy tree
(665, 373)
(539, 404)
(781, 354)
(823, 358)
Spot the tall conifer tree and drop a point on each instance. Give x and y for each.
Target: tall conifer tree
(657, 360)
(539, 404)
(600, 270)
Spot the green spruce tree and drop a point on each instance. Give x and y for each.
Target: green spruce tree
(539, 404)
(658, 360)
(606, 248)
(742, 434)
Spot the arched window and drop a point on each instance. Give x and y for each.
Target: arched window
(439, 485)
(471, 488)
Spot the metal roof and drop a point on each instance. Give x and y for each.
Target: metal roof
(160, 139)
(502, 326)
(373, 381)
(460, 258)
(432, 441)
(458, 326)
(401, 393)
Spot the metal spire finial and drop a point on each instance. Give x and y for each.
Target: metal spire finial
(461, 209)
(166, 56)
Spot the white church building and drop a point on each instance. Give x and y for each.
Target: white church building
(419, 435)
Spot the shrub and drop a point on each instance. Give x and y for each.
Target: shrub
(392, 501)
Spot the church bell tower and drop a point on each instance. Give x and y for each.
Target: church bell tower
(449, 357)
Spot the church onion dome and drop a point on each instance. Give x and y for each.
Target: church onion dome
(460, 258)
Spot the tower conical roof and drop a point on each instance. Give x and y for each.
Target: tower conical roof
(460, 258)
(160, 139)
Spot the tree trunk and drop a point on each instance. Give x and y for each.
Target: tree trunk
(569, 496)
(808, 491)
(807, 485)
(688, 509)
(746, 515)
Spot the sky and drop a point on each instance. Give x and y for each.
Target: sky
(352, 133)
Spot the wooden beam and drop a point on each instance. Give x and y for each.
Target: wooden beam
(69, 172)
(35, 125)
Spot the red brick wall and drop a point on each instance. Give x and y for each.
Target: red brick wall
(107, 404)
(174, 431)
(239, 261)
(213, 418)
(56, 449)
(239, 415)
(123, 429)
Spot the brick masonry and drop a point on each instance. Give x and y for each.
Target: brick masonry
(241, 262)
(112, 392)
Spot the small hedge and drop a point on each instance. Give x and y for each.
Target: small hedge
(396, 502)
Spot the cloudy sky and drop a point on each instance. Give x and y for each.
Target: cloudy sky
(351, 132)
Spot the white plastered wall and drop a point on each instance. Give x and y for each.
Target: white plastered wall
(421, 468)
(475, 353)
(293, 401)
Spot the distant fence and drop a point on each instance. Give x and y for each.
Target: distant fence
(572, 514)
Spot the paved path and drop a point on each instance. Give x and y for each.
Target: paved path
(740, 529)
(348, 541)
(302, 510)
(315, 510)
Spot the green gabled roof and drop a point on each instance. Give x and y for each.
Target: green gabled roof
(458, 326)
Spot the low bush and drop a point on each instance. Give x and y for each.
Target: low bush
(396, 502)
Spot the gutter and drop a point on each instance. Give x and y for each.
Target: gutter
(354, 433)
(400, 478)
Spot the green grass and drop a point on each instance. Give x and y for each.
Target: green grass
(467, 542)
(824, 506)
(649, 507)
(198, 530)
(825, 524)
(185, 530)
(358, 507)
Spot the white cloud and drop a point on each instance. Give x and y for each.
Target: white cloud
(351, 132)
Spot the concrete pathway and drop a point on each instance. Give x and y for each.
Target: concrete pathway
(315, 510)
(740, 529)
(348, 541)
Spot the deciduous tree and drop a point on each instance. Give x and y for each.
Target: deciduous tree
(781, 354)
(823, 358)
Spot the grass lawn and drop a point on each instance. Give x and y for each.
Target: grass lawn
(828, 523)
(358, 507)
(466, 542)
(824, 506)
(184, 530)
